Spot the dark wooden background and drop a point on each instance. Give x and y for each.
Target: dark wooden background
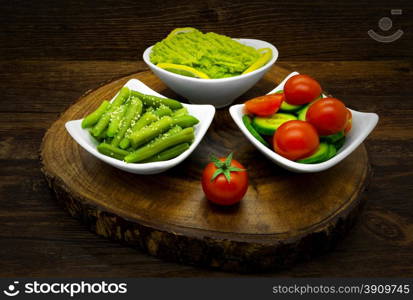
(54, 51)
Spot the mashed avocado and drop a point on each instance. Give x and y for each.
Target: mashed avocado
(218, 56)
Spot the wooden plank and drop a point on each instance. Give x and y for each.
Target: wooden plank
(121, 30)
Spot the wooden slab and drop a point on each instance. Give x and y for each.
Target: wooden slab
(283, 218)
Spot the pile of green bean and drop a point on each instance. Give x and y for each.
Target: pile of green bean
(140, 128)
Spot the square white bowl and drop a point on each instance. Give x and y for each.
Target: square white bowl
(218, 92)
(204, 113)
(362, 126)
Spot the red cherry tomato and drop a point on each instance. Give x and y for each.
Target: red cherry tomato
(301, 89)
(349, 122)
(265, 105)
(327, 115)
(229, 186)
(295, 140)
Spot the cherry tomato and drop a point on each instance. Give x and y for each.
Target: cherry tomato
(327, 115)
(265, 105)
(296, 139)
(349, 122)
(224, 181)
(301, 89)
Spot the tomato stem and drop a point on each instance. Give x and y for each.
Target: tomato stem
(224, 167)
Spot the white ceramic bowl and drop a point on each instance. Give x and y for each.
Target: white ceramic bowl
(204, 113)
(363, 124)
(218, 92)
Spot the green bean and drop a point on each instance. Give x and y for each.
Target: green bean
(180, 112)
(124, 143)
(185, 121)
(134, 108)
(148, 108)
(146, 119)
(94, 117)
(149, 132)
(103, 122)
(102, 136)
(112, 151)
(158, 145)
(116, 119)
(150, 100)
(163, 111)
(168, 153)
(123, 95)
(174, 130)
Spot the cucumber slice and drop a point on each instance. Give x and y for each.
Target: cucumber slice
(338, 144)
(269, 125)
(332, 151)
(319, 156)
(289, 107)
(331, 139)
(247, 122)
(302, 112)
